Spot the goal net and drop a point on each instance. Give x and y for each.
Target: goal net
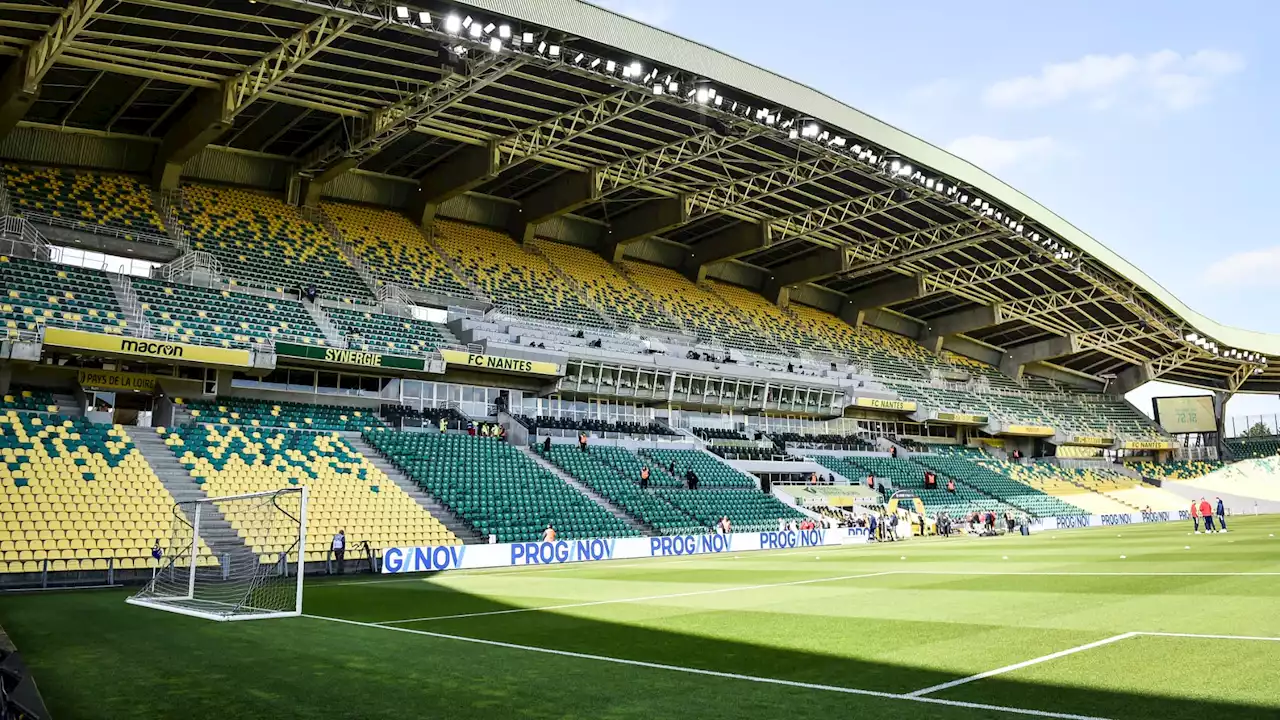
(208, 570)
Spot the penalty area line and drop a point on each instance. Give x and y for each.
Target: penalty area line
(713, 673)
(1023, 664)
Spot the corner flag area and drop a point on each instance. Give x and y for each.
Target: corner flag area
(1143, 622)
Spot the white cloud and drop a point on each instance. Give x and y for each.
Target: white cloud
(995, 154)
(649, 12)
(1167, 79)
(1255, 267)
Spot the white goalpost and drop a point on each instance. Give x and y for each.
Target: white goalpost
(207, 570)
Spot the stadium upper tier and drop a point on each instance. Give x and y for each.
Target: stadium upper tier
(119, 202)
(263, 241)
(599, 131)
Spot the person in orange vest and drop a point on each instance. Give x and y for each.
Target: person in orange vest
(582, 441)
(813, 478)
(1195, 515)
(1206, 513)
(951, 486)
(549, 535)
(871, 481)
(644, 478)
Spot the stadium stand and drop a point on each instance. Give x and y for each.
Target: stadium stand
(701, 311)
(1252, 478)
(394, 249)
(291, 415)
(39, 294)
(747, 510)
(495, 488)
(622, 488)
(711, 473)
(600, 427)
(191, 314)
(345, 490)
(607, 287)
(19, 398)
(79, 199)
(376, 332)
(263, 241)
(1178, 469)
(775, 322)
(77, 494)
(1257, 447)
(1086, 489)
(519, 282)
(1001, 487)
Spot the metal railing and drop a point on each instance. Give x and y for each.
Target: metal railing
(4, 193)
(130, 304)
(168, 204)
(97, 229)
(187, 264)
(367, 276)
(16, 229)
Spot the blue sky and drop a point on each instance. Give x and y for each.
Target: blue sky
(1149, 125)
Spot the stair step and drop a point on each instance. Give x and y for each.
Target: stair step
(631, 521)
(452, 522)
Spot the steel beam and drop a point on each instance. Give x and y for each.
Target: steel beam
(651, 218)
(215, 109)
(822, 263)
(811, 222)
(20, 85)
(566, 194)
(737, 192)
(1239, 376)
(472, 166)
(1048, 304)
(938, 329)
(347, 148)
(978, 273)
(889, 292)
(732, 242)
(1016, 359)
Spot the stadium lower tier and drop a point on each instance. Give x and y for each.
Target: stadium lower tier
(1001, 487)
(345, 490)
(495, 488)
(75, 495)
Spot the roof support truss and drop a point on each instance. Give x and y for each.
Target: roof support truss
(20, 85)
(822, 263)
(806, 224)
(727, 196)
(215, 109)
(373, 133)
(472, 166)
(1239, 375)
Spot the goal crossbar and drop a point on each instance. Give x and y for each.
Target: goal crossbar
(237, 584)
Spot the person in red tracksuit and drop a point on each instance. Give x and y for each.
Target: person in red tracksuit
(1206, 513)
(1195, 515)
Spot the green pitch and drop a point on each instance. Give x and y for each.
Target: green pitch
(1056, 625)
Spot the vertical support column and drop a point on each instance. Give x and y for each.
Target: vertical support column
(1220, 400)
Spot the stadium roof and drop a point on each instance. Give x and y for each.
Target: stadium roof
(568, 108)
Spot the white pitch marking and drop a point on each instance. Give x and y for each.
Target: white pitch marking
(1023, 664)
(646, 598)
(715, 673)
(1209, 637)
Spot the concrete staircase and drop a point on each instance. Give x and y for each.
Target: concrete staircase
(323, 322)
(68, 405)
(599, 499)
(127, 298)
(215, 530)
(455, 524)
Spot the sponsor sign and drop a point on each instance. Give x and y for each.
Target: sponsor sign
(1149, 445)
(355, 358)
(1074, 521)
(1028, 430)
(144, 347)
(960, 418)
(397, 560)
(905, 406)
(116, 380)
(497, 363)
(1092, 441)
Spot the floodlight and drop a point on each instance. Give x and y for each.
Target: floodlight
(811, 130)
(402, 12)
(466, 22)
(488, 29)
(636, 69)
(719, 100)
(609, 66)
(495, 45)
(702, 95)
(793, 134)
(542, 47)
(474, 30)
(453, 23)
(554, 51)
(895, 166)
(504, 31)
(594, 64)
(424, 17)
(528, 38)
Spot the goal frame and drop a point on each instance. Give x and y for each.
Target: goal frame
(157, 603)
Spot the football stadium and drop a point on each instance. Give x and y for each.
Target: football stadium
(498, 359)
